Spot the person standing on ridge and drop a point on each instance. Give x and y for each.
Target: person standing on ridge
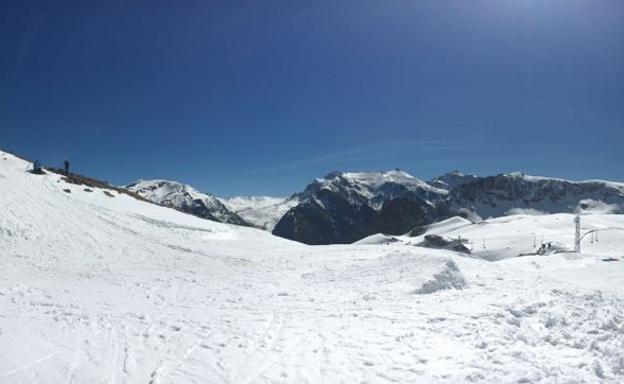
(66, 164)
(37, 168)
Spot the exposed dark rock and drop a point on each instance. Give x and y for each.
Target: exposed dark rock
(438, 242)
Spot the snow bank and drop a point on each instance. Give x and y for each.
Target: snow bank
(525, 211)
(417, 271)
(445, 276)
(378, 238)
(449, 224)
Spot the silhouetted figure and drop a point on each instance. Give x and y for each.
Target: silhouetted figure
(66, 164)
(37, 167)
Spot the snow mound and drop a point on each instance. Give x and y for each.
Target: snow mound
(378, 238)
(445, 276)
(421, 272)
(449, 224)
(525, 211)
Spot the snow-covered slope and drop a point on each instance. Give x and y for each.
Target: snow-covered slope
(261, 211)
(100, 287)
(514, 235)
(445, 226)
(187, 199)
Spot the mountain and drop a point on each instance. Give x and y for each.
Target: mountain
(261, 211)
(187, 199)
(345, 207)
(516, 192)
(451, 180)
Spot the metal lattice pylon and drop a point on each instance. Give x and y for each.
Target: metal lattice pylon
(577, 234)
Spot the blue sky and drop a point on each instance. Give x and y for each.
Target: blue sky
(260, 97)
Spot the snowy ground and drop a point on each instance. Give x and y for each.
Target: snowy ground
(511, 236)
(99, 289)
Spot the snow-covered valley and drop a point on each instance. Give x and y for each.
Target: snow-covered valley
(103, 288)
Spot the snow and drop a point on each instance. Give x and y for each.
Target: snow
(111, 289)
(514, 235)
(377, 239)
(262, 211)
(447, 225)
(525, 211)
(612, 184)
(375, 180)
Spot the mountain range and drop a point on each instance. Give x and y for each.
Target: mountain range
(344, 207)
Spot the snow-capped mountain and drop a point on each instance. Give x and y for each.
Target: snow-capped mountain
(514, 192)
(187, 199)
(261, 211)
(451, 180)
(345, 207)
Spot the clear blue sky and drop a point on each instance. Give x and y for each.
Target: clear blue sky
(260, 97)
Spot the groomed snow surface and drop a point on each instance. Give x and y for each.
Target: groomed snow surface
(100, 289)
